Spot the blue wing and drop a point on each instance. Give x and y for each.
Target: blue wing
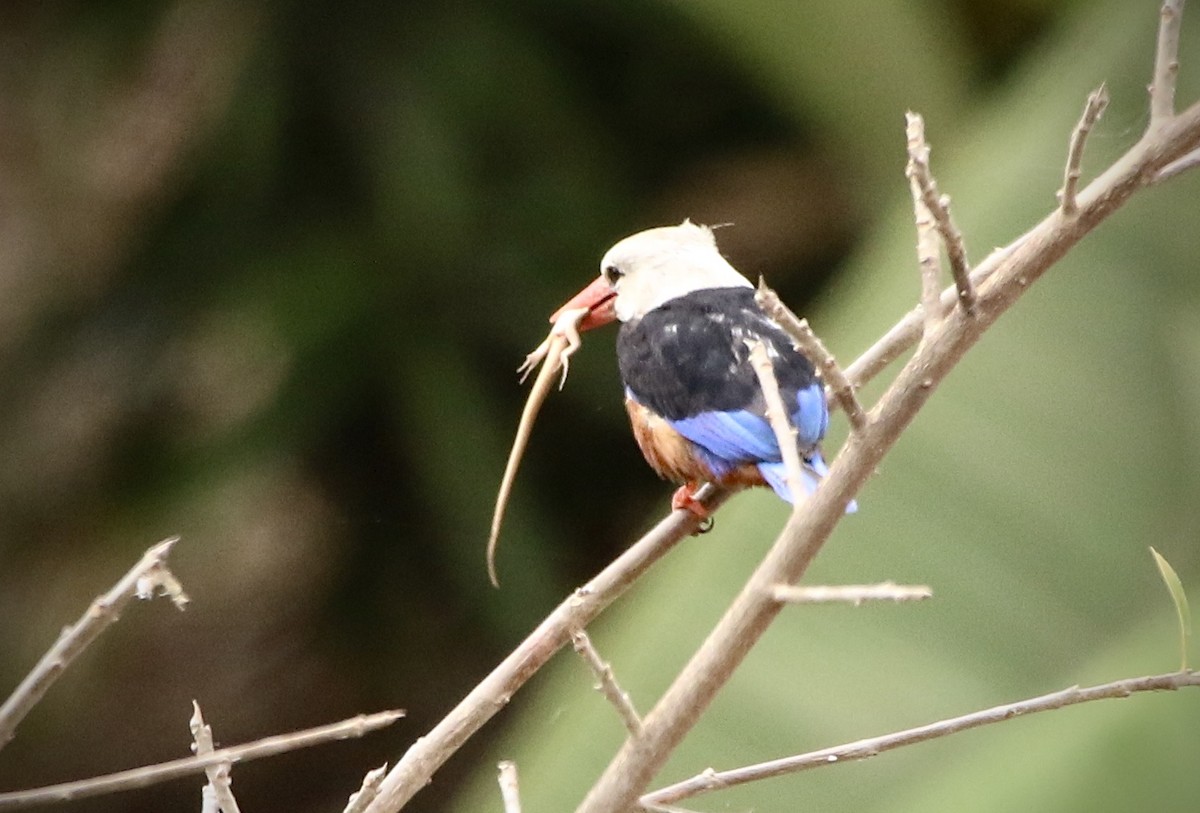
(729, 439)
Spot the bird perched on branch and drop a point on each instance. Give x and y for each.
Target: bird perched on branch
(697, 408)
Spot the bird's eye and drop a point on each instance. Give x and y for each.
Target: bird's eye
(612, 274)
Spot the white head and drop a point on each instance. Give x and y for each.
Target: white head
(657, 265)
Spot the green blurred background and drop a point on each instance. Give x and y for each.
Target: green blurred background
(266, 270)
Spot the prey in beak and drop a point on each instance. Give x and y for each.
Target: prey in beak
(590, 308)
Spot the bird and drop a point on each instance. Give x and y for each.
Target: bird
(698, 412)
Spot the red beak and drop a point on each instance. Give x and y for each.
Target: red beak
(598, 298)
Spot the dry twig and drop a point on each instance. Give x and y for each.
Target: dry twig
(359, 800)
(928, 256)
(147, 578)
(220, 785)
(932, 214)
(811, 345)
(1097, 100)
(176, 768)
(781, 424)
(510, 790)
(711, 780)
(854, 594)
(607, 685)
(427, 754)
(1166, 63)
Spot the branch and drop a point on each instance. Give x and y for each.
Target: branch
(176, 768)
(752, 611)
(873, 746)
(811, 345)
(1177, 167)
(785, 433)
(1166, 63)
(854, 594)
(148, 577)
(427, 754)
(1097, 100)
(359, 800)
(219, 782)
(608, 685)
(928, 204)
(510, 791)
(928, 258)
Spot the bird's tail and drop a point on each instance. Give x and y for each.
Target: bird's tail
(813, 469)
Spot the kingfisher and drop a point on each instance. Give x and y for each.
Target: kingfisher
(694, 401)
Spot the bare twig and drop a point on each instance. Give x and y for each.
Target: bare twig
(187, 766)
(777, 416)
(854, 594)
(607, 685)
(428, 753)
(510, 790)
(220, 785)
(366, 794)
(1166, 63)
(928, 256)
(148, 577)
(928, 204)
(811, 345)
(1097, 100)
(557, 348)
(906, 332)
(752, 611)
(1178, 167)
(711, 780)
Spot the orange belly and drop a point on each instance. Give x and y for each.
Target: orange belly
(674, 457)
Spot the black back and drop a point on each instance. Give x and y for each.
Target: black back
(689, 355)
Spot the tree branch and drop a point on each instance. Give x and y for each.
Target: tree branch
(427, 754)
(933, 209)
(359, 800)
(1166, 63)
(753, 610)
(811, 345)
(147, 578)
(510, 791)
(928, 256)
(187, 766)
(873, 746)
(607, 684)
(1097, 100)
(781, 424)
(854, 594)
(219, 781)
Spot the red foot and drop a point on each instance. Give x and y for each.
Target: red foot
(684, 498)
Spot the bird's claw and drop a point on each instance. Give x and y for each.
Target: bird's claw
(684, 499)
